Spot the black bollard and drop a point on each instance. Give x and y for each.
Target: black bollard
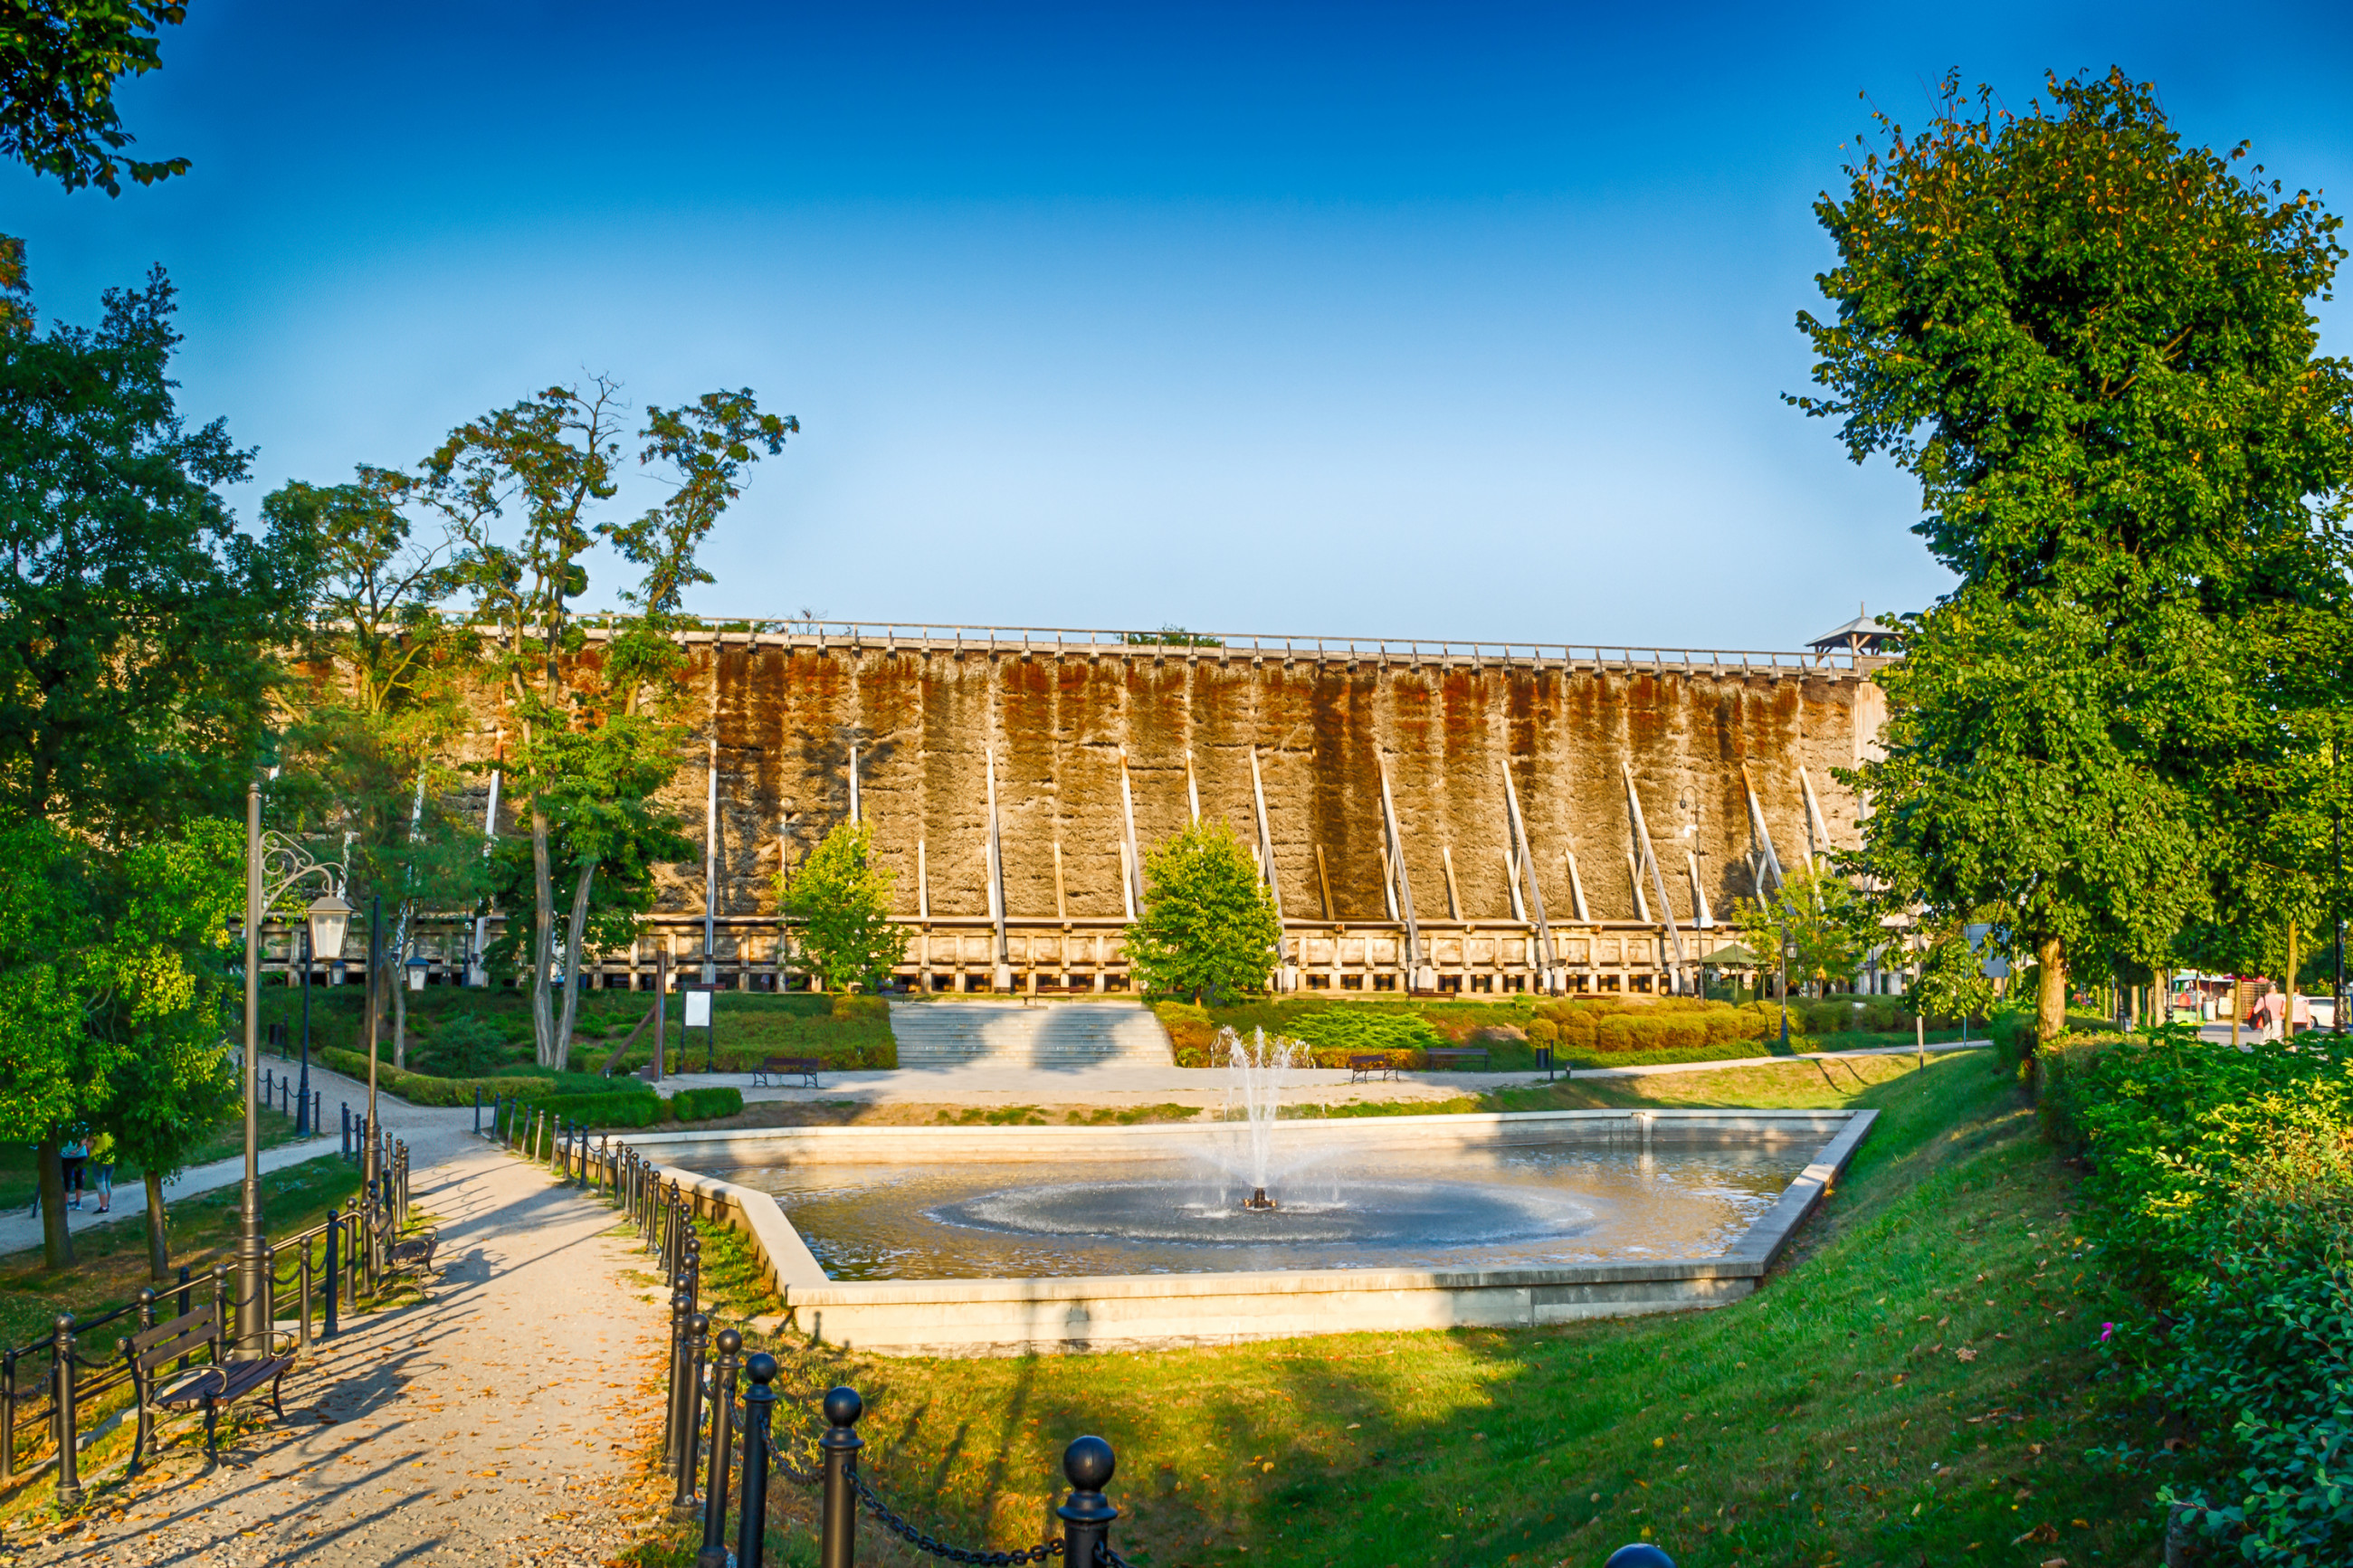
(681, 1502)
(1087, 1465)
(347, 1130)
(69, 1441)
(334, 1261)
(722, 1430)
(1639, 1554)
(759, 1408)
(837, 1545)
(478, 1110)
(679, 1308)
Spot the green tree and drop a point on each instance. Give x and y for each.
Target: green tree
(59, 64)
(54, 1069)
(1209, 924)
(2092, 347)
(841, 896)
(372, 729)
(139, 627)
(168, 1003)
(1815, 920)
(597, 738)
(140, 633)
(1952, 983)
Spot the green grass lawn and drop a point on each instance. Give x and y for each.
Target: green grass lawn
(458, 1032)
(1915, 1384)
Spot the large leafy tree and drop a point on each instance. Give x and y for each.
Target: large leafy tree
(60, 65)
(1209, 923)
(595, 737)
(841, 897)
(138, 638)
(139, 627)
(2092, 346)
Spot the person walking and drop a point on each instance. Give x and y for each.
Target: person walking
(101, 1161)
(73, 1157)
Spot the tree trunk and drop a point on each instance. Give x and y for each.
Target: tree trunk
(574, 935)
(2051, 996)
(543, 941)
(56, 1244)
(159, 1248)
(2287, 1020)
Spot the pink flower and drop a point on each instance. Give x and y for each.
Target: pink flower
(2106, 1329)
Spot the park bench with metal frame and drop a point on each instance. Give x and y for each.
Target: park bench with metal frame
(806, 1069)
(411, 1254)
(159, 1391)
(1376, 1065)
(1453, 1053)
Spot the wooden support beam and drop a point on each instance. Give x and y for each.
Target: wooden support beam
(1577, 890)
(1762, 861)
(1323, 881)
(995, 852)
(1453, 894)
(1413, 953)
(1192, 790)
(1265, 836)
(1547, 957)
(1133, 861)
(1062, 907)
(1650, 856)
(1818, 830)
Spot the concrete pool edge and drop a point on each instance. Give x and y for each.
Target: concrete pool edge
(1098, 1312)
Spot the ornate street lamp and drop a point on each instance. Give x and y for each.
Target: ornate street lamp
(274, 864)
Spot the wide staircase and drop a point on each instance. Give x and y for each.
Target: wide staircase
(945, 1033)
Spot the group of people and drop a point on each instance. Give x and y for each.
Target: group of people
(84, 1155)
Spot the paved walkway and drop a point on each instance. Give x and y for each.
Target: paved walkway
(432, 1134)
(504, 1421)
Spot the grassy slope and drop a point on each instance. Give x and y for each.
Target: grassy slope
(1829, 1419)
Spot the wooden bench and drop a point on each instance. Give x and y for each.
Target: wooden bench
(159, 1391)
(411, 1254)
(1374, 1066)
(806, 1069)
(1450, 1055)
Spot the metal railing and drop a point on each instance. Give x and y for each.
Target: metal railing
(1169, 642)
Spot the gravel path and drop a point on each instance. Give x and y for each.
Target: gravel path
(503, 1421)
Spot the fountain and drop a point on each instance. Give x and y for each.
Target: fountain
(1001, 1239)
(1255, 1076)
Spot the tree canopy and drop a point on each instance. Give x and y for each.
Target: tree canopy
(2093, 348)
(841, 896)
(1209, 924)
(60, 65)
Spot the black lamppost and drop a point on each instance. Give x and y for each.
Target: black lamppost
(273, 864)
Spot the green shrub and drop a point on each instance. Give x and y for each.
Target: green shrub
(416, 1088)
(1362, 1028)
(705, 1104)
(2221, 1187)
(1543, 1031)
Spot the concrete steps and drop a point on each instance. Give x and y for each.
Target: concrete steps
(943, 1034)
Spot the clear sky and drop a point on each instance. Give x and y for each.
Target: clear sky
(1450, 320)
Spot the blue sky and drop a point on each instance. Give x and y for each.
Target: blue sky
(1458, 320)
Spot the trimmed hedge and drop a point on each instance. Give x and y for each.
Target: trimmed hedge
(706, 1104)
(417, 1088)
(637, 1108)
